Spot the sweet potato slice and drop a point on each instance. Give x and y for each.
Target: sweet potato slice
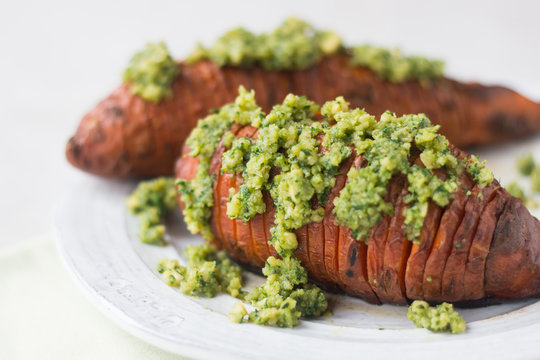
(377, 241)
(242, 234)
(301, 252)
(315, 233)
(224, 182)
(352, 256)
(270, 216)
(331, 229)
(419, 254)
(473, 281)
(396, 253)
(454, 270)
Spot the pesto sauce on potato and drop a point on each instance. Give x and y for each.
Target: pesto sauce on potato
(151, 72)
(288, 139)
(295, 44)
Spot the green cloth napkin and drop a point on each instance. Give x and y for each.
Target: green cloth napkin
(43, 315)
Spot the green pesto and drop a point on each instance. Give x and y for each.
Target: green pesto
(197, 194)
(535, 179)
(238, 313)
(393, 66)
(151, 201)
(440, 318)
(480, 174)
(286, 295)
(208, 272)
(295, 44)
(151, 72)
(361, 203)
(525, 164)
(515, 190)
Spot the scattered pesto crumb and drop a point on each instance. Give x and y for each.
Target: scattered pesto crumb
(525, 164)
(238, 313)
(151, 201)
(392, 65)
(327, 313)
(151, 72)
(440, 318)
(535, 179)
(515, 190)
(208, 272)
(527, 167)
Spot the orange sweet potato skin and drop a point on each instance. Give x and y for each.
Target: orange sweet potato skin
(125, 136)
(498, 256)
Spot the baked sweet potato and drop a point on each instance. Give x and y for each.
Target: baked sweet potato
(125, 136)
(483, 245)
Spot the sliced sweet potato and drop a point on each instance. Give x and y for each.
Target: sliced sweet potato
(454, 270)
(443, 240)
(473, 281)
(377, 241)
(396, 254)
(352, 257)
(151, 135)
(316, 250)
(331, 229)
(499, 258)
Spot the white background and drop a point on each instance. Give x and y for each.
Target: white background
(58, 58)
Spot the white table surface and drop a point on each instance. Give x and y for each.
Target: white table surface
(59, 57)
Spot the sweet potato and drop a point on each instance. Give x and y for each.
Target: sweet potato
(125, 136)
(396, 253)
(499, 255)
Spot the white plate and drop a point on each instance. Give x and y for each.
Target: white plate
(97, 241)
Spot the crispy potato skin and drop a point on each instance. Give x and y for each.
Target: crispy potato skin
(125, 136)
(478, 247)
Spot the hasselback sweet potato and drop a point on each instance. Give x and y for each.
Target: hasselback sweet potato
(125, 136)
(483, 245)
